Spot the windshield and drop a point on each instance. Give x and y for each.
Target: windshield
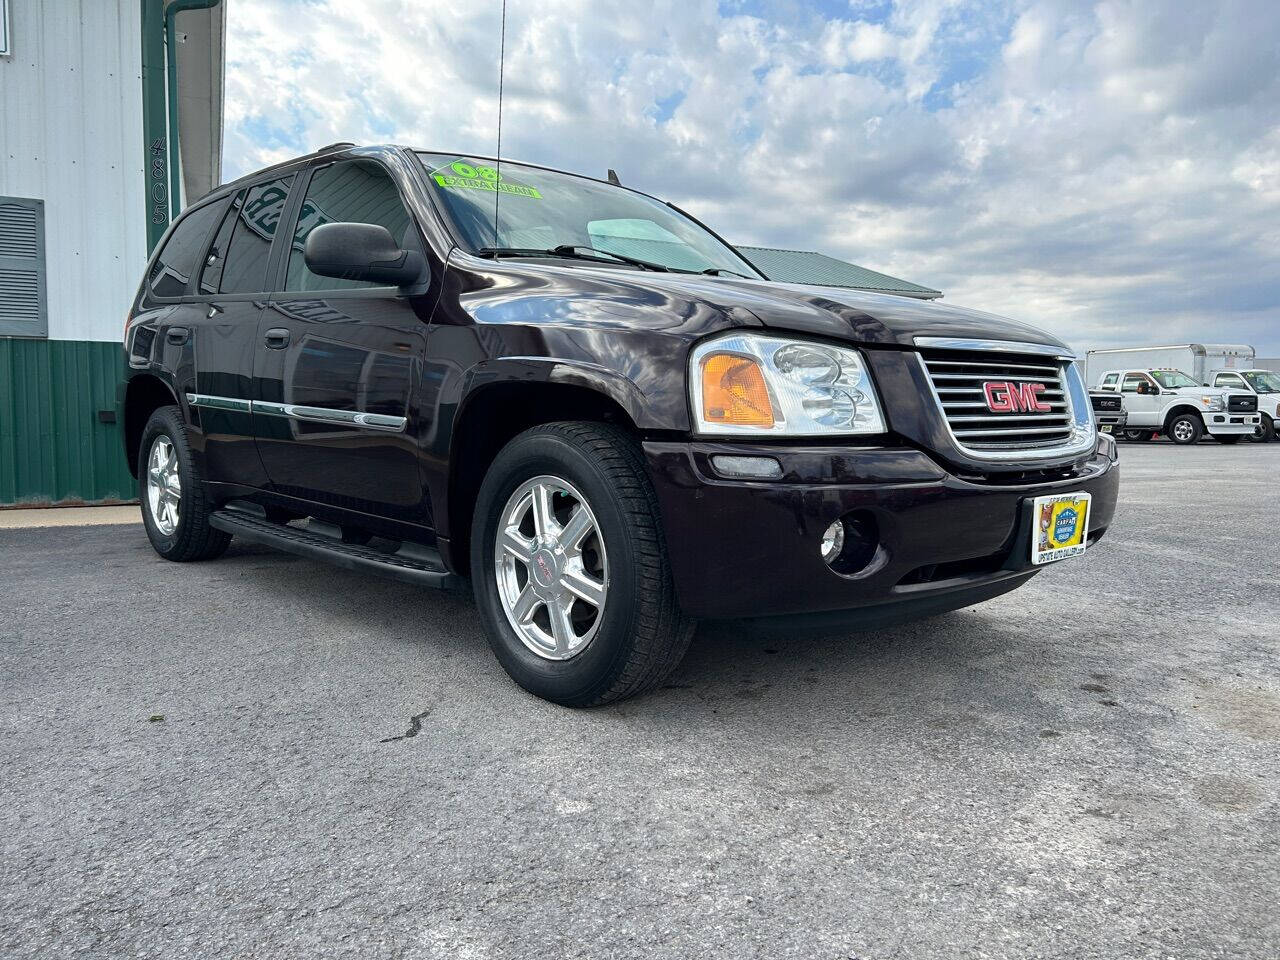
(542, 210)
(1172, 379)
(1263, 381)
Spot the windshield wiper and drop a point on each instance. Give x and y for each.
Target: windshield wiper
(723, 272)
(571, 251)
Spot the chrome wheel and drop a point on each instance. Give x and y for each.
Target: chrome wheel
(164, 486)
(552, 571)
(1183, 431)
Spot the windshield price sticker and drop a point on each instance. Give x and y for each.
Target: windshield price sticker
(480, 177)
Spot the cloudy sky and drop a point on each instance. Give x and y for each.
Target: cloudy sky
(1110, 171)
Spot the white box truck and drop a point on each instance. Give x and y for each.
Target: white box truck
(1197, 360)
(1165, 390)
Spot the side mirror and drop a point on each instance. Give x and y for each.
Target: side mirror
(362, 251)
(1145, 388)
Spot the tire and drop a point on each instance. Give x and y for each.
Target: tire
(637, 635)
(182, 534)
(1136, 435)
(1265, 431)
(1230, 439)
(1185, 429)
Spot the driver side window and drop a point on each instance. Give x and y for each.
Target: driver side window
(1131, 382)
(1228, 380)
(349, 191)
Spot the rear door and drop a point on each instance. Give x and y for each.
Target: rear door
(337, 422)
(232, 293)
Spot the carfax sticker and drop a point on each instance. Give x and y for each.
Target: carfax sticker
(1060, 527)
(465, 176)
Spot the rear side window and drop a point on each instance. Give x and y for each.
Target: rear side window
(177, 260)
(350, 191)
(237, 258)
(1110, 379)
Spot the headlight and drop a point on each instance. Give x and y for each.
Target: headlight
(749, 383)
(1212, 403)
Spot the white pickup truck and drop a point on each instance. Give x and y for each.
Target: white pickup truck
(1172, 403)
(1265, 384)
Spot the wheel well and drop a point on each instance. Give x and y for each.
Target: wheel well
(491, 420)
(143, 396)
(1179, 411)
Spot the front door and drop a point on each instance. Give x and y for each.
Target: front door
(1143, 408)
(337, 422)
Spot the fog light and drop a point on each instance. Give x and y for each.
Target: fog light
(833, 541)
(753, 468)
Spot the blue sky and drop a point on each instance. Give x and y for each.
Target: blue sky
(1109, 170)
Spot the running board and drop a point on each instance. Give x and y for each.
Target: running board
(412, 563)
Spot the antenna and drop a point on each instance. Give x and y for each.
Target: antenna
(613, 178)
(497, 184)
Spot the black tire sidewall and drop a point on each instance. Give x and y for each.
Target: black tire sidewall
(579, 679)
(165, 422)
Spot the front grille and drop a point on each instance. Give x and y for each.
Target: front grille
(1105, 403)
(960, 380)
(1242, 403)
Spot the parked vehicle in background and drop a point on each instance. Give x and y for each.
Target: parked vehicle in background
(1198, 360)
(592, 408)
(1108, 410)
(1265, 385)
(1172, 403)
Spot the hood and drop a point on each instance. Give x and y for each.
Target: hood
(841, 313)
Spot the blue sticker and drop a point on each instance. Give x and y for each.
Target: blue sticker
(1065, 526)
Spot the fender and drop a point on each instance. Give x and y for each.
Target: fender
(1177, 407)
(578, 373)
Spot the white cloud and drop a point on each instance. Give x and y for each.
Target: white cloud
(1108, 171)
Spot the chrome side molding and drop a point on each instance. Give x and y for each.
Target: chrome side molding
(294, 411)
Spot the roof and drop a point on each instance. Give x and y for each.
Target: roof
(805, 266)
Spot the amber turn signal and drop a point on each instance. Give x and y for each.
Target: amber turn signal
(734, 391)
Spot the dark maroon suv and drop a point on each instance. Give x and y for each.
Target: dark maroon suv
(444, 368)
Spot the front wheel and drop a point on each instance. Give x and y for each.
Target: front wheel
(570, 569)
(175, 510)
(1265, 430)
(1185, 429)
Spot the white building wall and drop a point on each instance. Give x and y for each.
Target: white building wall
(71, 135)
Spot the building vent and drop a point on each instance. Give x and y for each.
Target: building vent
(24, 308)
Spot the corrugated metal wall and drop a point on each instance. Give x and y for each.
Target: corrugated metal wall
(71, 135)
(53, 449)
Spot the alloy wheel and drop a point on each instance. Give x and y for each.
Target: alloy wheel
(1182, 431)
(164, 485)
(551, 566)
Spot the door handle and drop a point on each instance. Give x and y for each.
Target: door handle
(277, 338)
(214, 310)
(177, 335)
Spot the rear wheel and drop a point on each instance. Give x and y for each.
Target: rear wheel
(1185, 429)
(570, 567)
(175, 510)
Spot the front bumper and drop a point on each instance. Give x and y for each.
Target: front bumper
(1229, 423)
(741, 548)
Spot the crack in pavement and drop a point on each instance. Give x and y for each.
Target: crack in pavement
(415, 727)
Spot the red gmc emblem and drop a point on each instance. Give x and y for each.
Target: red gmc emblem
(1004, 396)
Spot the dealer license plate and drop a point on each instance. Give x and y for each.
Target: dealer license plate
(1105, 428)
(1060, 527)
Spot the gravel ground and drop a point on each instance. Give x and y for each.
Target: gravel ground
(263, 756)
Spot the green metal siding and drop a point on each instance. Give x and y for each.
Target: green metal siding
(53, 449)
